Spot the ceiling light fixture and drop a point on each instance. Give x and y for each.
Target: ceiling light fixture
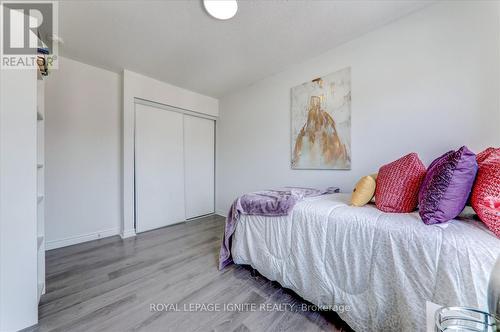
(221, 9)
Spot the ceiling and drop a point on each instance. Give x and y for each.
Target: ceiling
(177, 42)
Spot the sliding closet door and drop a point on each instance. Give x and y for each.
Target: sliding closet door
(199, 139)
(159, 168)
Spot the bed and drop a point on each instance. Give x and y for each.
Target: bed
(380, 267)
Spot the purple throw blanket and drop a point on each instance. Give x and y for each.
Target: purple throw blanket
(271, 203)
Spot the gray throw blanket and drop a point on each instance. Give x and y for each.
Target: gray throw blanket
(271, 203)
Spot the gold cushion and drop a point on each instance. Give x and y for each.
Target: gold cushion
(364, 190)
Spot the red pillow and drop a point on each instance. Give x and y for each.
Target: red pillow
(486, 191)
(481, 156)
(398, 184)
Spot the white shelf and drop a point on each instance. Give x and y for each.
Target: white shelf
(39, 241)
(40, 128)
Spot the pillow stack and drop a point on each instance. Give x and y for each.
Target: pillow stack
(441, 191)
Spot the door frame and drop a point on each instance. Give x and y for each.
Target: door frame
(150, 103)
(135, 85)
(144, 102)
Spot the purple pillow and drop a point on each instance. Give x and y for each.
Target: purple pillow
(447, 185)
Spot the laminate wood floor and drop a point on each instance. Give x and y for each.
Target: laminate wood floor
(110, 284)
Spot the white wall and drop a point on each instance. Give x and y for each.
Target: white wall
(83, 153)
(143, 87)
(85, 108)
(140, 86)
(426, 83)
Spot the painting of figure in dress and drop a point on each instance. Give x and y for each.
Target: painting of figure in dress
(321, 122)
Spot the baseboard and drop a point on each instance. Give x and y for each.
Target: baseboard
(54, 244)
(221, 213)
(127, 233)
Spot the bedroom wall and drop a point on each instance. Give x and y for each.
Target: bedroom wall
(85, 184)
(83, 153)
(426, 83)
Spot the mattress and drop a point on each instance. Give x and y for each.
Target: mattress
(381, 268)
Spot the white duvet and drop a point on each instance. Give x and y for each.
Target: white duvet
(383, 266)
